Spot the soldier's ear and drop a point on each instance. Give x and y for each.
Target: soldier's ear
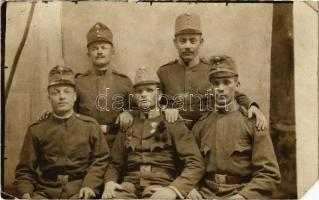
(75, 93)
(75, 96)
(160, 95)
(201, 40)
(175, 40)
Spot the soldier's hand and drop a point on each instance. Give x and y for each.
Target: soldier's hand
(86, 193)
(125, 119)
(44, 115)
(171, 115)
(109, 190)
(163, 193)
(236, 197)
(26, 196)
(261, 121)
(194, 194)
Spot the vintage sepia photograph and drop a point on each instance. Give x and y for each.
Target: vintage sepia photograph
(159, 100)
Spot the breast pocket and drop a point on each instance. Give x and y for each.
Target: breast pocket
(80, 153)
(241, 152)
(49, 158)
(159, 145)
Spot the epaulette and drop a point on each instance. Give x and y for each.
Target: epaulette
(78, 75)
(119, 74)
(243, 110)
(38, 121)
(85, 118)
(204, 116)
(204, 60)
(169, 63)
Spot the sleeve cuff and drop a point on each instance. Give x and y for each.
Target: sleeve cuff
(110, 176)
(25, 188)
(180, 196)
(253, 104)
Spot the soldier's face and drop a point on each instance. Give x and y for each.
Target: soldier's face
(224, 89)
(146, 96)
(62, 98)
(100, 53)
(188, 46)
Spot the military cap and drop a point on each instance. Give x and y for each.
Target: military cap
(222, 66)
(61, 75)
(99, 32)
(145, 75)
(187, 23)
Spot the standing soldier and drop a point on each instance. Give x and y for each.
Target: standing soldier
(65, 155)
(147, 153)
(102, 91)
(188, 90)
(240, 160)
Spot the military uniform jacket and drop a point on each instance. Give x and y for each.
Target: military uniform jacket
(141, 146)
(75, 147)
(191, 83)
(231, 145)
(102, 95)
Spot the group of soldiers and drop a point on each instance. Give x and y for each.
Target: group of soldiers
(150, 151)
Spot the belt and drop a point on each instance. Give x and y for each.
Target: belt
(61, 177)
(150, 168)
(227, 179)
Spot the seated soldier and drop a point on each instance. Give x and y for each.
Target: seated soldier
(240, 160)
(147, 153)
(65, 155)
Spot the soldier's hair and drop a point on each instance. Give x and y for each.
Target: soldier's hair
(158, 85)
(48, 88)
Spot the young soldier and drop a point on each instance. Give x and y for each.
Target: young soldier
(182, 80)
(65, 155)
(240, 160)
(147, 153)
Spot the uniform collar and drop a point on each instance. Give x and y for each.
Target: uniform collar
(63, 118)
(104, 71)
(231, 107)
(192, 63)
(151, 114)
